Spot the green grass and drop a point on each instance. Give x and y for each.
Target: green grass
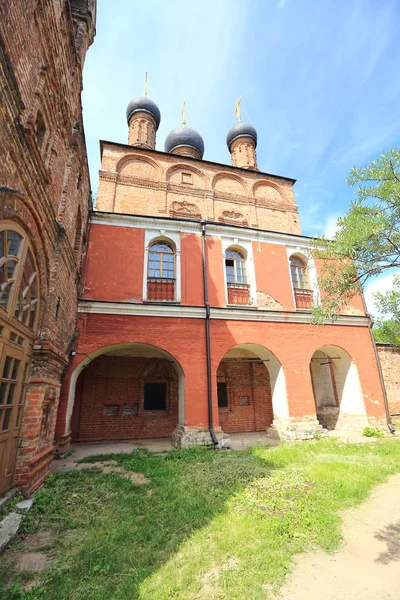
(209, 525)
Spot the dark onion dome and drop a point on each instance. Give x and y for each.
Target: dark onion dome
(143, 104)
(241, 130)
(184, 136)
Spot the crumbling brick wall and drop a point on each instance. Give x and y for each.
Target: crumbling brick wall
(45, 189)
(390, 362)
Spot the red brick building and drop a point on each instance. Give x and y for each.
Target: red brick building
(194, 320)
(44, 205)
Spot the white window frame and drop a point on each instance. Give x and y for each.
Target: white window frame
(174, 237)
(305, 254)
(246, 246)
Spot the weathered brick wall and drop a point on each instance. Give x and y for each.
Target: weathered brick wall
(247, 383)
(119, 381)
(145, 182)
(390, 362)
(44, 184)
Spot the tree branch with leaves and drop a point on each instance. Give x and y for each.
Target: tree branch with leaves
(367, 240)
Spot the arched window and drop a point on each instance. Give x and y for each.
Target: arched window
(301, 286)
(236, 278)
(161, 271)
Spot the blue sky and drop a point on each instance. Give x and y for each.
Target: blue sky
(319, 81)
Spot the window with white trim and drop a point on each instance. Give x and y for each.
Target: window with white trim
(161, 271)
(303, 293)
(236, 277)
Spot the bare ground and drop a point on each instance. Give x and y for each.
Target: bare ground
(367, 566)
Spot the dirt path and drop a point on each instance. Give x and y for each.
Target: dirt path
(367, 567)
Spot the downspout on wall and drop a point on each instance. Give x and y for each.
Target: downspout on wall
(207, 334)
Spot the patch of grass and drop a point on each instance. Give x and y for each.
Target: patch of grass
(209, 525)
(372, 432)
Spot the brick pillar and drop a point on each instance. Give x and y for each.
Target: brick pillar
(39, 419)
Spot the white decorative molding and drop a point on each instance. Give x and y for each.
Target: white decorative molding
(198, 312)
(218, 230)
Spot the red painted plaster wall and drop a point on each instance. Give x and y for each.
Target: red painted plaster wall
(114, 267)
(216, 285)
(191, 270)
(354, 306)
(272, 273)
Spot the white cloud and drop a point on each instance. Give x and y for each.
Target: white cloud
(382, 284)
(331, 227)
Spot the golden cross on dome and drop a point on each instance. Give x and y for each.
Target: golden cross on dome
(237, 109)
(183, 113)
(145, 84)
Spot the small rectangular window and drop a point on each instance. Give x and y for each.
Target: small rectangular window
(110, 410)
(129, 410)
(244, 401)
(222, 390)
(155, 396)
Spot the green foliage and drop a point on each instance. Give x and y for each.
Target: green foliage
(367, 242)
(372, 432)
(222, 525)
(388, 329)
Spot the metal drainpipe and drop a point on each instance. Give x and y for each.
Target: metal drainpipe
(378, 362)
(207, 332)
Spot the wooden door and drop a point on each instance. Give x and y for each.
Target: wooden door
(13, 379)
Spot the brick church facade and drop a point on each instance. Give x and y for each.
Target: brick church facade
(194, 320)
(180, 306)
(44, 206)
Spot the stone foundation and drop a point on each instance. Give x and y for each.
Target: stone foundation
(289, 430)
(186, 437)
(379, 423)
(331, 418)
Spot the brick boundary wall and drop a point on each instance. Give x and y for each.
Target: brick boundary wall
(390, 362)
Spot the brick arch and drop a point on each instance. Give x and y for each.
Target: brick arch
(88, 358)
(183, 167)
(136, 157)
(266, 184)
(20, 226)
(338, 396)
(276, 377)
(229, 177)
(16, 210)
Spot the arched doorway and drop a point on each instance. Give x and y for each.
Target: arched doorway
(19, 312)
(126, 391)
(251, 389)
(337, 390)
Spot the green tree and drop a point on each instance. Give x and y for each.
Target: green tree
(387, 328)
(367, 241)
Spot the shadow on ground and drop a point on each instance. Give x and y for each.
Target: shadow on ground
(126, 529)
(391, 536)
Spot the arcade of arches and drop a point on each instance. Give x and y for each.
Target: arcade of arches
(136, 390)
